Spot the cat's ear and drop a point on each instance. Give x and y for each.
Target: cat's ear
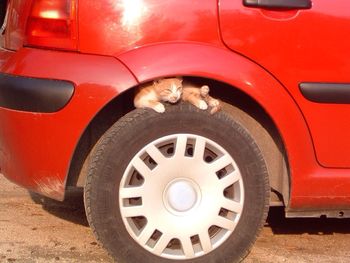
(157, 81)
(180, 78)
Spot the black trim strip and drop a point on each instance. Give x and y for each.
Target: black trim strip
(285, 4)
(34, 94)
(338, 93)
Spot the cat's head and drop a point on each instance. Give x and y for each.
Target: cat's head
(169, 89)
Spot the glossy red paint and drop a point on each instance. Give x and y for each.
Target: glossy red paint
(300, 46)
(111, 27)
(36, 148)
(192, 59)
(264, 53)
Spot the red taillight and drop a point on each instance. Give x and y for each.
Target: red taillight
(52, 23)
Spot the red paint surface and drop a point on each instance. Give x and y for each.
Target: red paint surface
(271, 52)
(38, 147)
(300, 46)
(110, 27)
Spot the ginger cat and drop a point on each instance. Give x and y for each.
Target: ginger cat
(200, 97)
(151, 95)
(161, 90)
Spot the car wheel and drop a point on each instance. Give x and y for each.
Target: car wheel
(182, 185)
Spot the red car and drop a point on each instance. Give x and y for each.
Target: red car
(184, 184)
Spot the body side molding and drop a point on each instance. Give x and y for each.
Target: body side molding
(322, 92)
(34, 94)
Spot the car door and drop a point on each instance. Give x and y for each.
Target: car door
(305, 45)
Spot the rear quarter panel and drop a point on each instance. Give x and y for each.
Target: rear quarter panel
(36, 149)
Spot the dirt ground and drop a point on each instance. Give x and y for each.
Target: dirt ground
(36, 229)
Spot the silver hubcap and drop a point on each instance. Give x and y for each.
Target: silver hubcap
(181, 196)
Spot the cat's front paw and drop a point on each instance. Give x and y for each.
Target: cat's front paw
(204, 91)
(202, 105)
(159, 108)
(214, 103)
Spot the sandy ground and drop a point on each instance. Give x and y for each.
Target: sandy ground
(36, 229)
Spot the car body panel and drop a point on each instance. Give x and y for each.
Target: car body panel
(300, 46)
(170, 38)
(111, 27)
(36, 148)
(331, 187)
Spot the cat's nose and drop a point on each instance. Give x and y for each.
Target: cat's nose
(174, 99)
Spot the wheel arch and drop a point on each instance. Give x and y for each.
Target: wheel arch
(244, 109)
(248, 87)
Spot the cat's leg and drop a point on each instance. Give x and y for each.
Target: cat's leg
(198, 102)
(214, 104)
(159, 107)
(155, 105)
(204, 91)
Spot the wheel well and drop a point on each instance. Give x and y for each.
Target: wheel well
(242, 107)
(114, 110)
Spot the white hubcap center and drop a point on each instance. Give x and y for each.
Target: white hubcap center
(181, 195)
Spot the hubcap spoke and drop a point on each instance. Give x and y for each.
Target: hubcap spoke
(141, 167)
(232, 205)
(230, 179)
(220, 163)
(180, 145)
(199, 149)
(187, 247)
(205, 241)
(131, 192)
(161, 244)
(225, 223)
(155, 154)
(132, 211)
(146, 234)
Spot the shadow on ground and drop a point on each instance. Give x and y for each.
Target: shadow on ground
(313, 226)
(71, 209)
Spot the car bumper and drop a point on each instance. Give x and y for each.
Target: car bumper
(47, 99)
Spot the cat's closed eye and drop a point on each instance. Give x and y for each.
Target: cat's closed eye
(167, 92)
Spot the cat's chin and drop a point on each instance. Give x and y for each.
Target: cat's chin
(173, 101)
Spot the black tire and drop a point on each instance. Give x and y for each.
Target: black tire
(127, 136)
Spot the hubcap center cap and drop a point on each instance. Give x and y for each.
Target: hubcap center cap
(181, 195)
